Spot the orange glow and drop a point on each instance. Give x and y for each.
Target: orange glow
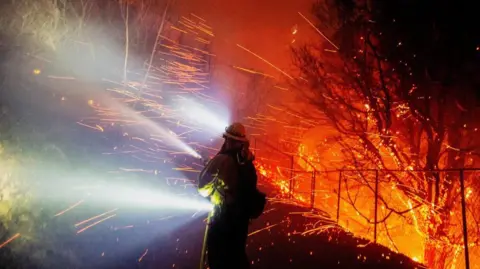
(408, 234)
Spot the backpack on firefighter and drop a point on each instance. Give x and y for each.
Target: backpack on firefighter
(254, 200)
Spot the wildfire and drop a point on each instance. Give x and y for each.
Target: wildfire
(181, 70)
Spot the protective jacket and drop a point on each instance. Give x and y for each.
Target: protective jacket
(230, 180)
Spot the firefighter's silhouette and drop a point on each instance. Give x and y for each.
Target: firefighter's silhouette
(229, 180)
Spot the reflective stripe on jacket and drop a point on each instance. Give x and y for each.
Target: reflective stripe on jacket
(219, 180)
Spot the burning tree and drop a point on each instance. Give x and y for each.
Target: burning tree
(397, 82)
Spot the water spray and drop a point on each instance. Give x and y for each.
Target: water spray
(154, 128)
(133, 196)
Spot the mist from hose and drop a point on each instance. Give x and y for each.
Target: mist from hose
(154, 128)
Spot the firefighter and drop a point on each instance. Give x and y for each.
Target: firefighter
(229, 180)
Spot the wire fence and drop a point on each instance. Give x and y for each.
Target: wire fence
(381, 206)
(395, 208)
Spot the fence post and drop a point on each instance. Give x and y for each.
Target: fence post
(376, 207)
(291, 177)
(312, 190)
(464, 219)
(338, 195)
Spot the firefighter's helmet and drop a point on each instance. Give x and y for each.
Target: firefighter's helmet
(236, 131)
